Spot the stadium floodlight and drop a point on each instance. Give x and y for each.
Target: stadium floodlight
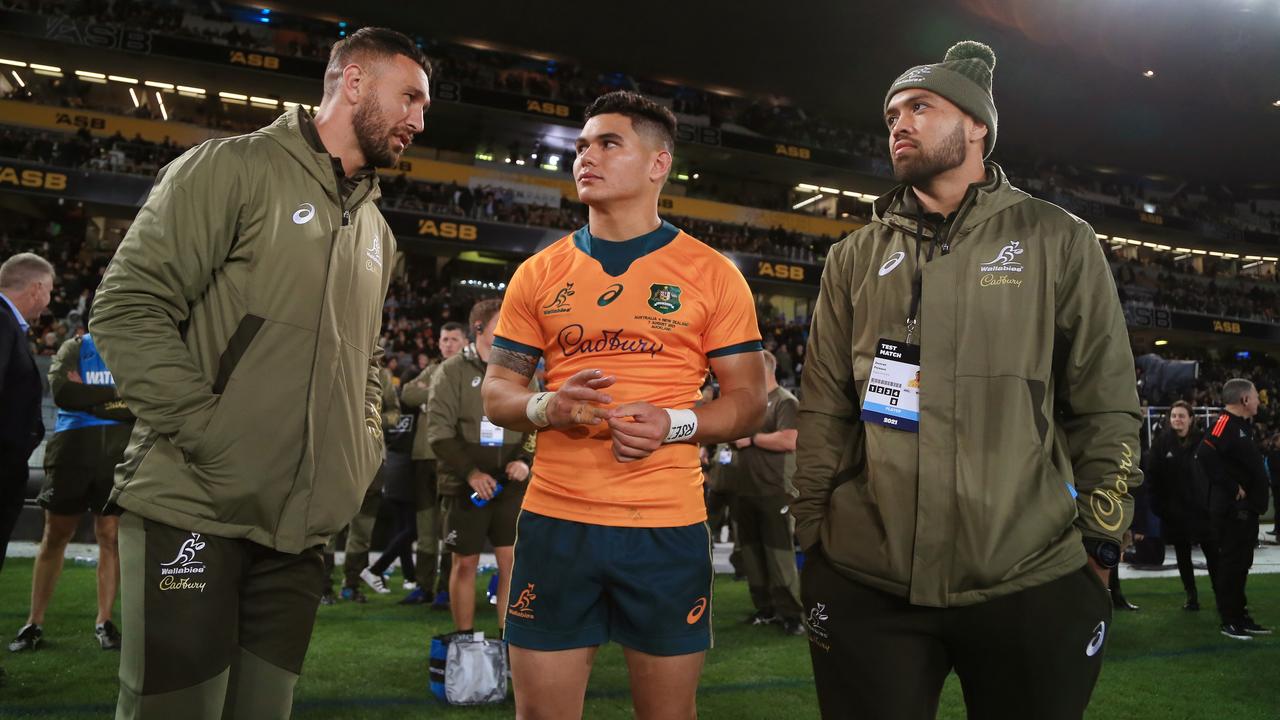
(1161, 343)
(1199, 252)
(695, 176)
(1101, 236)
(808, 201)
(1148, 73)
(15, 63)
(264, 101)
(91, 74)
(807, 186)
(1215, 253)
(830, 190)
(134, 96)
(18, 77)
(188, 90)
(852, 194)
(681, 176)
(1268, 258)
(158, 84)
(123, 79)
(49, 70)
(232, 96)
(164, 112)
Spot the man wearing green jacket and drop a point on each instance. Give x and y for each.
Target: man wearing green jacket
(432, 588)
(475, 457)
(968, 431)
(240, 318)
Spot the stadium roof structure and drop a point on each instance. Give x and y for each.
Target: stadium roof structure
(1071, 81)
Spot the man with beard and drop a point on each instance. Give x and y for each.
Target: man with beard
(254, 256)
(968, 431)
(1179, 498)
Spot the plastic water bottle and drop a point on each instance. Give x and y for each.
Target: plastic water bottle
(481, 502)
(86, 561)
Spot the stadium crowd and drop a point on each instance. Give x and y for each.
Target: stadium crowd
(1220, 212)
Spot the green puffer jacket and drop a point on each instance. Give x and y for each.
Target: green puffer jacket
(240, 319)
(1028, 407)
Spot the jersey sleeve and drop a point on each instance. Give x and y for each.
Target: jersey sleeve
(519, 329)
(732, 327)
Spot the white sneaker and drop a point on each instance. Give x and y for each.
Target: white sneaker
(374, 581)
(410, 585)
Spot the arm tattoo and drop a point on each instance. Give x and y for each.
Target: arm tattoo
(515, 361)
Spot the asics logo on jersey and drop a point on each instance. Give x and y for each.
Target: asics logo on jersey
(695, 614)
(304, 213)
(893, 262)
(609, 295)
(1095, 642)
(572, 342)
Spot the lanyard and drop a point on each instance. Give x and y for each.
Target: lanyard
(917, 282)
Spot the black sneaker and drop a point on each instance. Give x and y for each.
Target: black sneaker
(28, 638)
(761, 618)
(1253, 628)
(1191, 606)
(108, 636)
(793, 627)
(1235, 632)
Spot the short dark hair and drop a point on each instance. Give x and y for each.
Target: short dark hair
(375, 42)
(483, 311)
(453, 326)
(646, 115)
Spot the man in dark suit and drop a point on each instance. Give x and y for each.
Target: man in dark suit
(26, 281)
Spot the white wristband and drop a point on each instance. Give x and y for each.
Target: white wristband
(536, 408)
(684, 423)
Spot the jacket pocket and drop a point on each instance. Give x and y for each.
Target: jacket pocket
(252, 447)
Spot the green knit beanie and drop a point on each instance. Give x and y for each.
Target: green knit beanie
(964, 78)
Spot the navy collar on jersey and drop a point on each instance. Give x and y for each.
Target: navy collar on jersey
(616, 257)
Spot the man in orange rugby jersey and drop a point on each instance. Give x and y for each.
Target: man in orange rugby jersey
(628, 313)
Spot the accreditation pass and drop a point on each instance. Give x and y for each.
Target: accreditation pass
(893, 391)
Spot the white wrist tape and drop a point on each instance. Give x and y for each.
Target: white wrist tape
(536, 408)
(684, 423)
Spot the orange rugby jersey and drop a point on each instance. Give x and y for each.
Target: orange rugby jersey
(650, 311)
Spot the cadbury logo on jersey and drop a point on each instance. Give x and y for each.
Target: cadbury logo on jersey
(572, 342)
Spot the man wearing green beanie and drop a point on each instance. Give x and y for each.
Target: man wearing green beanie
(968, 431)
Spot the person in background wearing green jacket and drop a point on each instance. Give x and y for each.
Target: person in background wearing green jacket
(761, 502)
(483, 470)
(240, 317)
(433, 584)
(88, 441)
(968, 431)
